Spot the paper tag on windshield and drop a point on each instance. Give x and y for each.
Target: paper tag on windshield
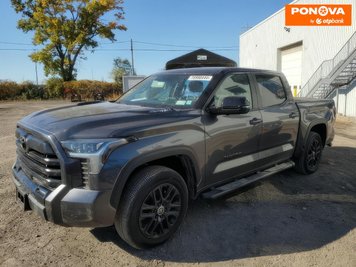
(157, 84)
(181, 102)
(200, 78)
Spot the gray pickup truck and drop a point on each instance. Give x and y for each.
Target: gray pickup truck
(178, 134)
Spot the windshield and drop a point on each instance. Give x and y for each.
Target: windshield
(162, 90)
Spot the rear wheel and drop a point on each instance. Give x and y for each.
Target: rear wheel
(152, 208)
(309, 161)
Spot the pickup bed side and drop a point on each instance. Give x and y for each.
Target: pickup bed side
(318, 116)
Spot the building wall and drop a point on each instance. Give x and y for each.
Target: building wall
(260, 46)
(346, 102)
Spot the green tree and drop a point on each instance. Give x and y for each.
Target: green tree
(121, 67)
(66, 28)
(54, 87)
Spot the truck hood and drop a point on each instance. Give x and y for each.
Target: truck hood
(105, 120)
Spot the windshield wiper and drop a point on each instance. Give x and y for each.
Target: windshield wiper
(167, 107)
(163, 108)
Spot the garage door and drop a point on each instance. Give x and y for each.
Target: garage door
(291, 66)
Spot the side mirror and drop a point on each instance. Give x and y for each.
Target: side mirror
(232, 105)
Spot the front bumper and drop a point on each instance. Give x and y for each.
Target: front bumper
(65, 206)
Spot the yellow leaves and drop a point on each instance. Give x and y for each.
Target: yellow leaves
(9, 90)
(88, 88)
(103, 2)
(36, 56)
(112, 24)
(122, 28)
(45, 2)
(102, 6)
(17, 5)
(66, 27)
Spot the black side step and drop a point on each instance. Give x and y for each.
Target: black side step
(231, 187)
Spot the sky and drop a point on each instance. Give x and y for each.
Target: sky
(161, 30)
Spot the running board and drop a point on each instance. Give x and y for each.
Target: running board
(231, 187)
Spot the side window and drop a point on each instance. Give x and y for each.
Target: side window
(233, 85)
(271, 90)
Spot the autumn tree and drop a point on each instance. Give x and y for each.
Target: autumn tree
(64, 29)
(121, 67)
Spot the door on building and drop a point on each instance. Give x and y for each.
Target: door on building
(291, 66)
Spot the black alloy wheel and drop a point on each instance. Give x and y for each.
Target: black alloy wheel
(309, 160)
(152, 207)
(314, 154)
(160, 210)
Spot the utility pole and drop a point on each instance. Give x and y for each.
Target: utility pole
(36, 73)
(132, 60)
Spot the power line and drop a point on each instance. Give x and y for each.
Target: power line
(127, 49)
(17, 43)
(170, 45)
(16, 49)
(138, 42)
(160, 44)
(188, 46)
(160, 50)
(179, 50)
(13, 43)
(115, 42)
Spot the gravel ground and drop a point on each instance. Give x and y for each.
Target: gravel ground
(285, 220)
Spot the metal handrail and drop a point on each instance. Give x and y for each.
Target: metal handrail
(328, 67)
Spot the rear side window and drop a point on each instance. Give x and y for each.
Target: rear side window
(271, 90)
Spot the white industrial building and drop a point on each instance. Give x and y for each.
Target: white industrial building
(318, 61)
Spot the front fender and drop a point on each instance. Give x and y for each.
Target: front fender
(136, 154)
(134, 163)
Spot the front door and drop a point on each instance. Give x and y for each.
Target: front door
(232, 141)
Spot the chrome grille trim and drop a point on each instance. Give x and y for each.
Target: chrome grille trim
(85, 172)
(43, 169)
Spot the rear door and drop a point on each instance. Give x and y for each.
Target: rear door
(280, 117)
(232, 140)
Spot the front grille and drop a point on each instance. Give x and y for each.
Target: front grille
(37, 160)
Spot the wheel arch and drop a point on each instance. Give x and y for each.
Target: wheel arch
(318, 126)
(321, 130)
(182, 161)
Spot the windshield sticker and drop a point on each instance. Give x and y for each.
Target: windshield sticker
(189, 102)
(200, 78)
(181, 102)
(157, 84)
(138, 99)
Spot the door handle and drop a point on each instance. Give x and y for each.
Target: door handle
(293, 115)
(255, 121)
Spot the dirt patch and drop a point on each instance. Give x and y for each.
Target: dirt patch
(346, 126)
(286, 220)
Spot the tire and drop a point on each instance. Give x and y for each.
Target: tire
(152, 207)
(309, 160)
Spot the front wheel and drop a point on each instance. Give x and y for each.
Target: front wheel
(152, 208)
(309, 160)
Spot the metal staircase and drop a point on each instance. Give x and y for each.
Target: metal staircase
(333, 73)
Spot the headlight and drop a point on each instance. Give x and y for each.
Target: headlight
(85, 146)
(95, 151)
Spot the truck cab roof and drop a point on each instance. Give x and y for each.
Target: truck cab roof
(215, 70)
